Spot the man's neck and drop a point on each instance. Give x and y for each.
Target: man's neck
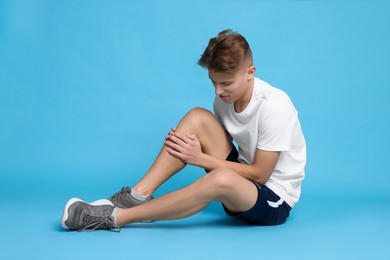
(243, 102)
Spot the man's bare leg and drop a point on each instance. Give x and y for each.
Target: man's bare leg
(212, 137)
(234, 191)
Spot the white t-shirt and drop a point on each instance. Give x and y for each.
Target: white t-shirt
(270, 123)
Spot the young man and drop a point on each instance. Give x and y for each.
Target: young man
(259, 183)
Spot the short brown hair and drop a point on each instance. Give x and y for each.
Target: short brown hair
(226, 53)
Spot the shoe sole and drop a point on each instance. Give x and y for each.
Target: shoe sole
(65, 214)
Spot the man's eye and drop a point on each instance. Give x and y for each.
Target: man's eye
(226, 84)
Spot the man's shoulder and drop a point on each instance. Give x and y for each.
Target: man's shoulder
(273, 102)
(265, 89)
(269, 95)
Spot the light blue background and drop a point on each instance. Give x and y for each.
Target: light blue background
(89, 89)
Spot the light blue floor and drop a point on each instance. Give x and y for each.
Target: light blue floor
(319, 228)
(89, 89)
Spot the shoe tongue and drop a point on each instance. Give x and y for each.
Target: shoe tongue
(127, 189)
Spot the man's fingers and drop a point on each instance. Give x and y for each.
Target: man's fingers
(191, 136)
(173, 146)
(174, 153)
(178, 138)
(183, 137)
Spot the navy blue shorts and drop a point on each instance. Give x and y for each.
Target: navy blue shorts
(269, 209)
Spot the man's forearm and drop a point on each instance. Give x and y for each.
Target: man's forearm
(249, 172)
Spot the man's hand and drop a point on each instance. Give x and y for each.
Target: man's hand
(185, 147)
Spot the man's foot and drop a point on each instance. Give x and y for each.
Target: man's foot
(79, 215)
(125, 199)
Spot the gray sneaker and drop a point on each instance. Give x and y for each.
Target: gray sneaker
(124, 199)
(79, 215)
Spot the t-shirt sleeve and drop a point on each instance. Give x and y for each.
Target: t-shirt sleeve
(276, 126)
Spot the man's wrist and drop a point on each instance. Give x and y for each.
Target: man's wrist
(207, 162)
(202, 161)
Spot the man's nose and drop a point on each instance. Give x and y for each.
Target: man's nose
(218, 90)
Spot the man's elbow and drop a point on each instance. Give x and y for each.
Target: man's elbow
(261, 178)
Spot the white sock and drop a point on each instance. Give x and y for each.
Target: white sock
(138, 196)
(113, 214)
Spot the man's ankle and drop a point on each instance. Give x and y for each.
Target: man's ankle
(138, 196)
(142, 191)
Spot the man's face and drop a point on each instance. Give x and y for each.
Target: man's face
(230, 87)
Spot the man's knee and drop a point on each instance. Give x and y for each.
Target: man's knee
(219, 182)
(199, 116)
(199, 111)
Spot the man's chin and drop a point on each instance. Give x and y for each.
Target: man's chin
(228, 101)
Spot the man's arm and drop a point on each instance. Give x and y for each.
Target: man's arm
(188, 149)
(263, 165)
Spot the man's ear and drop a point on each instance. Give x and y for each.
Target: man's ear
(251, 72)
